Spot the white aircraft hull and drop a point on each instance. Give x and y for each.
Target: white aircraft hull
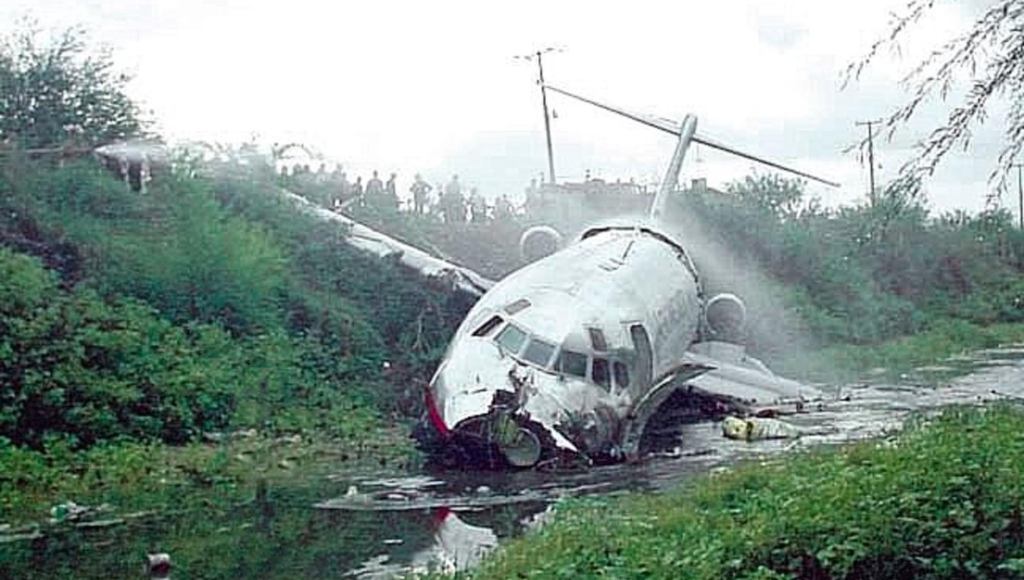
(499, 403)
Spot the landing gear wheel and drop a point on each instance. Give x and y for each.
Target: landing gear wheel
(523, 449)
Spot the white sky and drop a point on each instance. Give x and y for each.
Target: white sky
(432, 87)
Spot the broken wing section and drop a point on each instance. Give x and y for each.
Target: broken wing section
(716, 377)
(367, 239)
(742, 380)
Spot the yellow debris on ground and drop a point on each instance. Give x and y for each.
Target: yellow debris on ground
(757, 428)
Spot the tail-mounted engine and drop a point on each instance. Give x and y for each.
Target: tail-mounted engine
(539, 242)
(725, 314)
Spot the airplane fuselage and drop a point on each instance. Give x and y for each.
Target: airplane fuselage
(564, 347)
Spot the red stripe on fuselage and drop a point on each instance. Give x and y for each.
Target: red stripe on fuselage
(434, 414)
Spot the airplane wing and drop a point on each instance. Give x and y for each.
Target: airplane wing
(723, 372)
(367, 239)
(743, 379)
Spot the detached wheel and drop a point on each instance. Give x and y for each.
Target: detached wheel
(521, 450)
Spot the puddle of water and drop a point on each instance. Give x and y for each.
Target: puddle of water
(382, 525)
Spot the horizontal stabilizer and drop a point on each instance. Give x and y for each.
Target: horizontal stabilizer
(675, 128)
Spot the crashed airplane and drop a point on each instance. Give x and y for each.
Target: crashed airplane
(571, 356)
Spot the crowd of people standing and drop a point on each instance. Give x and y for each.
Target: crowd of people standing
(452, 203)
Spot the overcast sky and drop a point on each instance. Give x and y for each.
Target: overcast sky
(432, 87)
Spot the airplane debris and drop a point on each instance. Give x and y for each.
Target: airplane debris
(93, 524)
(370, 240)
(758, 428)
(20, 537)
(158, 565)
(70, 511)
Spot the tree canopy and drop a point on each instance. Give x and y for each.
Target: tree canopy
(982, 63)
(58, 91)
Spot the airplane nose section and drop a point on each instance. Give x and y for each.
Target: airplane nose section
(468, 383)
(494, 409)
(449, 403)
(476, 407)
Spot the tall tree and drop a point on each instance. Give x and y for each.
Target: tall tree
(56, 91)
(983, 63)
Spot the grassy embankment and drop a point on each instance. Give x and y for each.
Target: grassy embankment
(942, 499)
(209, 305)
(134, 328)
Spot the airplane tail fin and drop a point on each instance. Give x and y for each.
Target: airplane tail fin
(686, 131)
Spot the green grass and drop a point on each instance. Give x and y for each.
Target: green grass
(943, 339)
(942, 499)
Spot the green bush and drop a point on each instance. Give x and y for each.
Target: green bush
(72, 364)
(75, 366)
(866, 273)
(174, 247)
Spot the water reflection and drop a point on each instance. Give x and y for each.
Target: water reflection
(457, 545)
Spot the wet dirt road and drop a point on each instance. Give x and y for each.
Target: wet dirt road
(381, 525)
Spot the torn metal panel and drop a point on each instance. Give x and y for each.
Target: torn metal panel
(635, 422)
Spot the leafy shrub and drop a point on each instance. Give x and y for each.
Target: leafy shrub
(866, 273)
(75, 366)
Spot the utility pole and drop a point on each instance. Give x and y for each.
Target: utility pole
(544, 101)
(871, 155)
(1020, 194)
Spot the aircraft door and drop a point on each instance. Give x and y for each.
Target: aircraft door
(644, 357)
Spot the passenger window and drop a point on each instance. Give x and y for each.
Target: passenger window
(597, 339)
(621, 375)
(572, 363)
(512, 338)
(488, 326)
(599, 373)
(517, 306)
(539, 352)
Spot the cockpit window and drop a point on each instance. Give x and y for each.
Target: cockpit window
(511, 338)
(599, 373)
(539, 352)
(487, 327)
(597, 339)
(517, 306)
(572, 363)
(621, 375)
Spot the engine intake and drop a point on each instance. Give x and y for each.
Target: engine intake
(539, 242)
(725, 314)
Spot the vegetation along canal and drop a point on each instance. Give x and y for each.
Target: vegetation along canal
(384, 523)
